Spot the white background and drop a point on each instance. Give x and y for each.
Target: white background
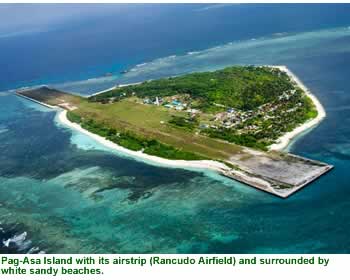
(337, 267)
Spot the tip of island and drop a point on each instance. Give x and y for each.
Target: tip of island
(235, 121)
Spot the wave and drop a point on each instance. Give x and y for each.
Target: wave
(13, 241)
(141, 64)
(21, 33)
(215, 6)
(280, 34)
(18, 240)
(191, 53)
(3, 129)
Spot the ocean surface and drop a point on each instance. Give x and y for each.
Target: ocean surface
(61, 192)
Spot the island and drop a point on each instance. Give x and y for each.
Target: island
(235, 121)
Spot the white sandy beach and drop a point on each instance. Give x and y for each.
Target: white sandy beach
(193, 164)
(112, 88)
(102, 91)
(201, 165)
(280, 144)
(216, 166)
(197, 164)
(284, 140)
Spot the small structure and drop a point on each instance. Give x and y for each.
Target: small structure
(179, 107)
(157, 101)
(192, 111)
(146, 101)
(176, 103)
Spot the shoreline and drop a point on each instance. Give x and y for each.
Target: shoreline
(197, 164)
(36, 101)
(246, 176)
(283, 141)
(112, 88)
(193, 165)
(102, 91)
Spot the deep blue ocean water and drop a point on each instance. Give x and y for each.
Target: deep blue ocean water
(61, 192)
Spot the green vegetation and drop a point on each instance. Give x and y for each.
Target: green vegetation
(257, 104)
(268, 127)
(133, 142)
(248, 140)
(202, 116)
(241, 87)
(73, 117)
(186, 123)
(195, 116)
(156, 148)
(152, 123)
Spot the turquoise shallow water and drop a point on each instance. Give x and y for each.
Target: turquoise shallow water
(68, 194)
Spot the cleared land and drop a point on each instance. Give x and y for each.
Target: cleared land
(52, 97)
(152, 123)
(283, 171)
